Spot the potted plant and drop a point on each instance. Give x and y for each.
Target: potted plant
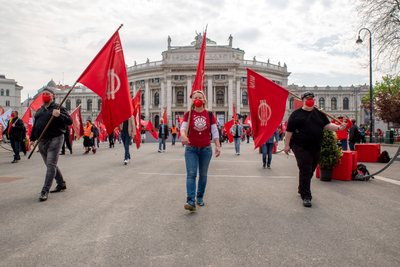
(330, 155)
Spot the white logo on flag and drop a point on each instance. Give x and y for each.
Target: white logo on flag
(113, 84)
(264, 112)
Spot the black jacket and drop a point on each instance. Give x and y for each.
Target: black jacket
(165, 130)
(57, 126)
(17, 131)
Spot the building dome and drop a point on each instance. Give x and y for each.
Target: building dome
(51, 84)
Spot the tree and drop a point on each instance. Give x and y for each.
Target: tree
(386, 98)
(382, 17)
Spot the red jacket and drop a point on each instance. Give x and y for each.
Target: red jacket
(343, 134)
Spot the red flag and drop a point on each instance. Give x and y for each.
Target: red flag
(152, 129)
(136, 117)
(234, 112)
(227, 127)
(247, 121)
(267, 102)
(143, 123)
(77, 123)
(28, 120)
(297, 103)
(165, 118)
(36, 103)
(106, 76)
(198, 83)
(180, 120)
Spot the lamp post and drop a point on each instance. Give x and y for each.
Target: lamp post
(359, 41)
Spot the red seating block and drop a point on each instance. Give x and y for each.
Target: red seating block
(368, 152)
(343, 171)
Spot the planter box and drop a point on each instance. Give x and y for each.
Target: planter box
(368, 152)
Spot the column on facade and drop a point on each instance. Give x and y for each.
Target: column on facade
(169, 99)
(238, 96)
(146, 99)
(173, 96)
(162, 95)
(214, 102)
(230, 96)
(188, 89)
(210, 94)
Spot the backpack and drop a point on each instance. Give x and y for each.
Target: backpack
(384, 157)
(360, 173)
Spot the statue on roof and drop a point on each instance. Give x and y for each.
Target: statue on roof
(169, 41)
(230, 40)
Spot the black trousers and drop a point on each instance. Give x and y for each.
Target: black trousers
(66, 142)
(307, 161)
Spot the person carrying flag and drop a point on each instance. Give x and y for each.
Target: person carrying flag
(197, 128)
(52, 140)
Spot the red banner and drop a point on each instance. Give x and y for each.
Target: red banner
(267, 102)
(227, 127)
(198, 83)
(106, 76)
(165, 118)
(297, 103)
(77, 123)
(152, 129)
(136, 117)
(234, 112)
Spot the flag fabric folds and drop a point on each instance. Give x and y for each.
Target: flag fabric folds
(107, 77)
(227, 127)
(136, 117)
(234, 112)
(77, 123)
(165, 118)
(152, 129)
(297, 103)
(198, 83)
(267, 102)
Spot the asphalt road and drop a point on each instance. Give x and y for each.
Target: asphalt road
(116, 215)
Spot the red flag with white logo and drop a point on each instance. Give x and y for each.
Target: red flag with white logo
(106, 76)
(136, 117)
(267, 102)
(77, 123)
(152, 129)
(198, 83)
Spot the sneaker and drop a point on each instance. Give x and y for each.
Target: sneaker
(264, 165)
(268, 167)
(190, 207)
(307, 203)
(94, 150)
(159, 151)
(59, 188)
(125, 162)
(43, 196)
(14, 161)
(86, 152)
(200, 201)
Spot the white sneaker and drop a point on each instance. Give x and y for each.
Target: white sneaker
(125, 162)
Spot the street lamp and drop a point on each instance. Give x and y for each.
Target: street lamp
(359, 41)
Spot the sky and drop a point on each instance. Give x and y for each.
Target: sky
(56, 39)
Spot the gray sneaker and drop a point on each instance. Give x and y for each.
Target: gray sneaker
(190, 207)
(307, 203)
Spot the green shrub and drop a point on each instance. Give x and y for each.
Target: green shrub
(330, 152)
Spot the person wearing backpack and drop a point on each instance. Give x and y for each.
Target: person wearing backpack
(354, 135)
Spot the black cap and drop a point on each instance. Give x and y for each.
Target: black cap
(307, 94)
(49, 89)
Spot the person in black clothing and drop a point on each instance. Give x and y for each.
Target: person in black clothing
(304, 137)
(52, 140)
(111, 139)
(67, 141)
(15, 132)
(354, 135)
(162, 136)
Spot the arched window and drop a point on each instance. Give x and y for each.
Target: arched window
(220, 96)
(333, 103)
(156, 98)
(291, 101)
(7, 92)
(321, 102)
(99, 104)
(2, 92)
(179, 97)
(68, 104)
(89, 105)
(142, 98)
(245, 98)
(345, 103)
(78, 102)
(7, 103)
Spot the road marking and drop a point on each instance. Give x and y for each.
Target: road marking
(387, 180)
(222, 175)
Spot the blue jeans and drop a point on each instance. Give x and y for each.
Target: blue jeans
(196, 159)
(344, 144)
(237, 144)
(126, 140)
(161, 141)
(267, 150)
(173, 139)
(49, 150)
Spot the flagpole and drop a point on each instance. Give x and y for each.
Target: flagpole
(51, 119)
(326, 113)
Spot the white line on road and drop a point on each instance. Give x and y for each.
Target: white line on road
(387, 180)
(220, 175)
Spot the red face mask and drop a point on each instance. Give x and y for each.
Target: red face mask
(198, 103)
(310, 103)
(46, 98)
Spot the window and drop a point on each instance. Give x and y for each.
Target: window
(156, 99)
(333, 103)
(99, 104)
(245, 99)
(89, 105)
(68, 104)
(7, 103)
(7, 92)
(243, 79)
(179, 77)
(219, 77)
(321, 102)
(291, 101)
(142, 98)
(220, 96)
(155, 80)
(179, 97)
(78, 102)
(345, 103)
(2, 92)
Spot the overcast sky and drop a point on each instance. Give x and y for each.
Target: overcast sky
(57, 39)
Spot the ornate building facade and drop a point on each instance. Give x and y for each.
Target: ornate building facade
(10, 94)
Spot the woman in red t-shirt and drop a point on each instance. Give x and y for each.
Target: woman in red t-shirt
(197, 128)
